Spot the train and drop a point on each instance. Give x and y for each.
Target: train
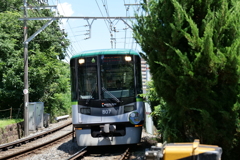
(106, 89)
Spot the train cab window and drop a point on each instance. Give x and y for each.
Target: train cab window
(117, 76)
(87, 75)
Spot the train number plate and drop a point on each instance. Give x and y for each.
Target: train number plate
(106, 111)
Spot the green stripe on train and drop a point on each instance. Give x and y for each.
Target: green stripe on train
(74, 102)
(139, 99)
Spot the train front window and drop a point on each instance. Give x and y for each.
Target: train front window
(87, 75)
(117, 76)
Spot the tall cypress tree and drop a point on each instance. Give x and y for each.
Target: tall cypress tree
(193, 50)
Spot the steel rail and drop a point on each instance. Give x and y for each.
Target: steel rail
(78, 154)
(125, 155)
(27, 139)
(29, 150)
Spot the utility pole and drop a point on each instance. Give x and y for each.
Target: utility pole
(25, 91)
(25, 43)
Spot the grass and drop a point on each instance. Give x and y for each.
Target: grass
(6, 122)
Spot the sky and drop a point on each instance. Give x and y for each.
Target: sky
(99, 34)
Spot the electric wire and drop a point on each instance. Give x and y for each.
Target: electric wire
(70, 28)
(42, 22)
(68, 51)
(128, 13)
(106, 7)
(128, 42)
(125, 24)
(102, 15)
(109, 21)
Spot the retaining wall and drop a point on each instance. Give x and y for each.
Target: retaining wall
(11, 132)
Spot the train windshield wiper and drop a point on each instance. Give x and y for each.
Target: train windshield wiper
(111, 95)
(90, 97)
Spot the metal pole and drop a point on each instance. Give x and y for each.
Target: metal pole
(25, 91)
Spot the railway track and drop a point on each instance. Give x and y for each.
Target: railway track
(28, 148)
(34, 149)
(126, 154)
(123, 152)
(29, 144)
(78, 154)
(26, 140)
(83, 154)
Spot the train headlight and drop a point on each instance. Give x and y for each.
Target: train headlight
(81, 61)
(132, 114)
(85, 111)
(134, 118)
(128, 58)
(128, 108)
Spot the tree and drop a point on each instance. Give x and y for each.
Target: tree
(48, 75)
(193, 49)
(10, 5)
(11, 70)
(156, 104)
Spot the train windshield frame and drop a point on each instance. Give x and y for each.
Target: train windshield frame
(96, 74)
(116, 77)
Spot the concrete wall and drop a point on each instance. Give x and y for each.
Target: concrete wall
(11, 132)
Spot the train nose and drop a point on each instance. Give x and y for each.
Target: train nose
(106, 128)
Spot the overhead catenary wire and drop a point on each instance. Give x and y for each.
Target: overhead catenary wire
(40, 14)
(136, 9)
(73, 50)
(78, 46)
(105, 5)
(126, 7)
(112, 27)
(53, 31)
(102, 15)
(105, 8)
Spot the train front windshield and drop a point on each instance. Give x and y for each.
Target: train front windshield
(87, 78)
(117, 76)
(113, 75)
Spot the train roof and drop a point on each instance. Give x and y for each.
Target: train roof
(105, 52)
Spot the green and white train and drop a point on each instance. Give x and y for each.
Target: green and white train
(106, 106)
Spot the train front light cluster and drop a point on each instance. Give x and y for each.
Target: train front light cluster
(134, 118)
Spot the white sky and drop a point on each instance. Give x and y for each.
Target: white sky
(100, 29)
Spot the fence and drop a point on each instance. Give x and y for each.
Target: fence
(3, 115)
(9, 113)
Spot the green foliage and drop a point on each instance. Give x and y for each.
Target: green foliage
(157, 105)
(10, 75)
(48, 76)
(10, 5)
(56, 90)
(192, 48)
(4, 123)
